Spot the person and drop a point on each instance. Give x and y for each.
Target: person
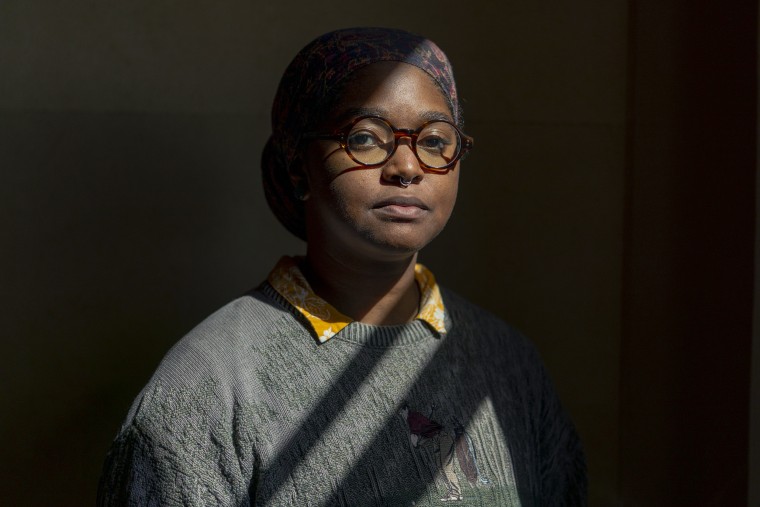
(299, 392)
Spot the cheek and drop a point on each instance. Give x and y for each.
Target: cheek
(341, 195)
(352, 193)
(328, 165)
(449, 194)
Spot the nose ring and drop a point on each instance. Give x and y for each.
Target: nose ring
(405, 183)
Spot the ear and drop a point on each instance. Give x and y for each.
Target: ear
(299, 178)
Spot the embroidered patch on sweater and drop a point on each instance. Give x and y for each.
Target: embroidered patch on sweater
(286, 278)
(448, 444)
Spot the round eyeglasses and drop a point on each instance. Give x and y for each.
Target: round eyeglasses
(372, 140)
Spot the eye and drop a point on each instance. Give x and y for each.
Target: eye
(369, 134)
(363, 140)
(434, 142)
(439, 138)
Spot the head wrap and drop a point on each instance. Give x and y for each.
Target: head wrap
(311, 81)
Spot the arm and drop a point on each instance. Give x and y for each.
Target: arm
(177, 449)
(562, 461)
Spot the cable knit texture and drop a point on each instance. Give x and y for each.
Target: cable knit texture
(249, 409)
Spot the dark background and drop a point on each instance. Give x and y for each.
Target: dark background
(608, 212)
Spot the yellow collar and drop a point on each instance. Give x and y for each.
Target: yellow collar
(286, 278)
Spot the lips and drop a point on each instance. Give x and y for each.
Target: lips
(401, 208)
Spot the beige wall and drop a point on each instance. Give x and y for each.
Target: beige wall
(130, 134)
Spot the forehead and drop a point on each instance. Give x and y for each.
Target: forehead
(399, 92)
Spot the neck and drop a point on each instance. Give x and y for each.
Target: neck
(373, 292)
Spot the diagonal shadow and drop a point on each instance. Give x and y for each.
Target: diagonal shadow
(542, 451)
(359, 368)
(428, 380)
(473, 377)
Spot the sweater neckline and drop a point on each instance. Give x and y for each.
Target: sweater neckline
(397, 335)
(360, 333)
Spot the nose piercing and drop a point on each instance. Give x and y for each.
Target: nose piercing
(405, 183)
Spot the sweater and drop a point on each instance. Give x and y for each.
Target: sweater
(249, 409)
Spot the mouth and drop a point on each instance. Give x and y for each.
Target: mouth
(401, 208)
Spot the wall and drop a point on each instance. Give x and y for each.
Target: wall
(754, 403)
(689, 241)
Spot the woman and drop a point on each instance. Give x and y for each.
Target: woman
(350, 377)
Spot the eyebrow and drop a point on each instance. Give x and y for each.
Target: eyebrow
(355, 112)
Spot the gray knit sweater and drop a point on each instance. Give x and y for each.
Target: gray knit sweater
(248, 409)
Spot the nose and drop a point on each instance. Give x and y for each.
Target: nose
(403, 164)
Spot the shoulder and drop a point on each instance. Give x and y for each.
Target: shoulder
(464, 309)
(488, 337)
(199, 401)
(242, 319)
(244, 326)
(215, 363)
(235, 329)
(468, 317)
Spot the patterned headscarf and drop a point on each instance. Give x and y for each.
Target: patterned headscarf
(310, 83)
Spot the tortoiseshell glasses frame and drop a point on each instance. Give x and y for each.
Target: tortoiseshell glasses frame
(463, 143)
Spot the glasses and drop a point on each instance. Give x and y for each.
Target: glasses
(372, 140)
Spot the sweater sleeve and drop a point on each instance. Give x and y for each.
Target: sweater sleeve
(176, 450)
(562, 461)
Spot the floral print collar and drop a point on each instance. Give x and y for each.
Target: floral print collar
(286, 278)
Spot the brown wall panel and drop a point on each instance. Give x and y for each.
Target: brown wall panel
(689, 254)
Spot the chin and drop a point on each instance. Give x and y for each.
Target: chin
(408, 243)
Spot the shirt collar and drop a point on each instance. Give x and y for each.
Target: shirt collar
(286, 278)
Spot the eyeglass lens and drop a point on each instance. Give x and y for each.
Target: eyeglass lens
(371, 141)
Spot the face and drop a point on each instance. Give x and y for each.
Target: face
(366, 212)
